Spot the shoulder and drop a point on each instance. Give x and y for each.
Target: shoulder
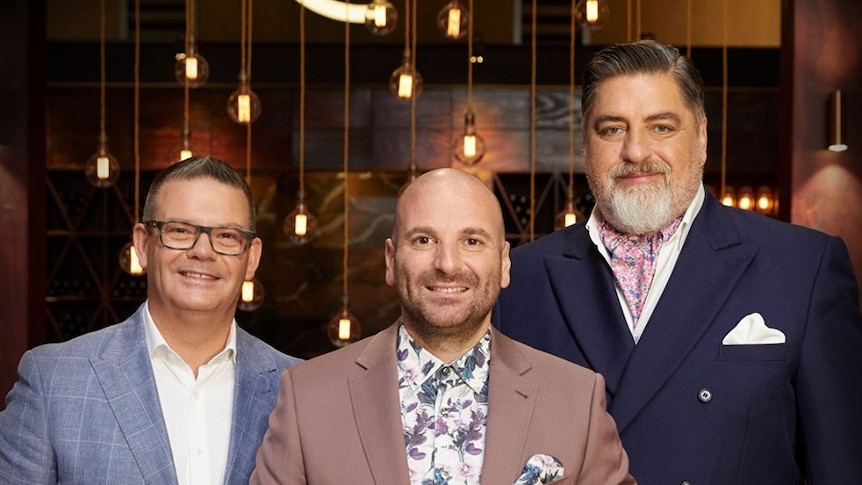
(540, 365)
(249, 346)
(86, 345)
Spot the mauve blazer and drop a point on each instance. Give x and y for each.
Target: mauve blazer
(338, 419)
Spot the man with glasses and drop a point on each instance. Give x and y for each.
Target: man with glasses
(176, 394)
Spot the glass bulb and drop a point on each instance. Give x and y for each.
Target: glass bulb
(764, 201)
(243, 106)
(381, 18)
(344, 328)
(592, 14)
(405, 82)
(193, 67)
(183, 151)
(251, 295)
(568, 216)
(129, 260)
(452, 20)
(300, 226)
(469, 148)
(729, 197)
(102, 169)
(746, 198)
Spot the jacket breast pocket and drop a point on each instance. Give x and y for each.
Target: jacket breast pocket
(762, 352)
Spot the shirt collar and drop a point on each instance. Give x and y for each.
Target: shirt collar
(416, 365)
(679, 237)
(157, 345)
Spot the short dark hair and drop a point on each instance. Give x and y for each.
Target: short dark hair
(196, 168)
(643, 57)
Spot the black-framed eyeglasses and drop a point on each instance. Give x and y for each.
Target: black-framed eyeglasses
(230, 241)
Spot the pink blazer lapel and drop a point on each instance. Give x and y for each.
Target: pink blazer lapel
(511, 399)
(375, 401)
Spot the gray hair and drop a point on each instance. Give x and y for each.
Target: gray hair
(643, 57)
(197, 168)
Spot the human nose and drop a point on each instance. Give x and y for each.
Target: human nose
(202, 248)
(637, 147)
(448, 259)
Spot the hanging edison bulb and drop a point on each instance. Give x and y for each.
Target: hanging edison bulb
(452, 20)
(592, 14)
(193, 67)
(102, 169)
(764, 203)
(243, 105)
(728, 198)
(406, 82)
(251, 295)
(381, 18)
(184, 150)
(570, 215)
(469, 148)
(129, 260)
(300, 226)
(344, 328)
(746, 198)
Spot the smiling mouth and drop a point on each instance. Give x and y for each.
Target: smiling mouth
(197, 276)
(450, 290)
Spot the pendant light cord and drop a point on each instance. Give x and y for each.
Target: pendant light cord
(570, 191)
(346, 148)
(411, 14)
(533, 27)
(470, 16)
(302, 100)
(102, 134)
(724, 100)
(246, 69)
(688, 29)
(137, 109)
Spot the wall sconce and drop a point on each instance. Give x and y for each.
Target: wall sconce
(837, 137)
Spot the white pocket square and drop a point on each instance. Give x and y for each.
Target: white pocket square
(752, 330)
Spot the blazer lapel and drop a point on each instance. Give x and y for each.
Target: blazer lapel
(126, 376)
(375, 400)
(709, 266)
(511, 399)
(583, 285)
(255, 378)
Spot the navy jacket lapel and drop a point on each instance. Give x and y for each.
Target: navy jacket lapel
(713, 259)
(583, 285)
(126, 376)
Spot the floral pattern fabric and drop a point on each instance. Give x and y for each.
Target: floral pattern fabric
(444, 410)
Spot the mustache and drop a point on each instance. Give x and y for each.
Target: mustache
(462, 278)
(646, 168)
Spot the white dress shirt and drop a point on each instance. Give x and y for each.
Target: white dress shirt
(198, 412)
(667, 258)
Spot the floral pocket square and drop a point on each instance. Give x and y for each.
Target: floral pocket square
(752, 330)
(540, 469)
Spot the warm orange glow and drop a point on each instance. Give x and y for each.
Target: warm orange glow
(248, 291)
(300, 225)
(103, 167)
(453, 26)
(243, 108)
(191, 68)
(185, 153)
(570, 218)
(134, 263)
(344, 329)
(592, 10)
(380, 15)
(469, 145)
(405, 86)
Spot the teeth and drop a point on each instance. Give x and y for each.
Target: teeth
(198, 276)
(450, 290)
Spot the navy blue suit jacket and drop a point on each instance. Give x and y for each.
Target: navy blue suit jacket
(87, 411)
(689, 409)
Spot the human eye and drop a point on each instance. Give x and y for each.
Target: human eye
(611, 131)
(422, 241)
(228, 235)
(663, 129)
(179, 230)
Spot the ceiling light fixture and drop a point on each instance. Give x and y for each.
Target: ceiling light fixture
(837, 138)
(102, 169)
(469, 148)
(190, 65)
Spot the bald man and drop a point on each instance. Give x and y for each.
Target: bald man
(440, 396)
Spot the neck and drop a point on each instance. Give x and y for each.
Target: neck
(449, 345)
(195, 337)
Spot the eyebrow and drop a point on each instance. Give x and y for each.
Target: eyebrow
(475, 231)
(664, 115)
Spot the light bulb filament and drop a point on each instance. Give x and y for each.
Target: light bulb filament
(184, 154)
(343, 329)
(243, 112)
(592, 8)
(247, 291)
(405, 86)
(453, 26)
(380, 16)
(300, 225)
(470, 145)
(191, 68)
(134, 263)
(103, 168)
(570, 218)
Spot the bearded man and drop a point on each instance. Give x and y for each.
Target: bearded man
(731, 343)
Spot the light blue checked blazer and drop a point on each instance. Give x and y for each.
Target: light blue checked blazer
(87, 411)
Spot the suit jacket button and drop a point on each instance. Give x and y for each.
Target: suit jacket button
(686, 482)
(704, 395)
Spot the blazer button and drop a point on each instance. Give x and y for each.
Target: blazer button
(685, 483)
(704, 395)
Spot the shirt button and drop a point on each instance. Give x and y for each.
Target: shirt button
(445, 372)
(704, 395)
(199, 450)
(196, 395)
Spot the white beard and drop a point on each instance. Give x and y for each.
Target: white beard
(641, 210)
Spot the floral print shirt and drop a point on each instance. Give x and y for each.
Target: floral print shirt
(444, 409)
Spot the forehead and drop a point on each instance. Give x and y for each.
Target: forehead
(202, 200)
(449, 207)
(639, 92)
